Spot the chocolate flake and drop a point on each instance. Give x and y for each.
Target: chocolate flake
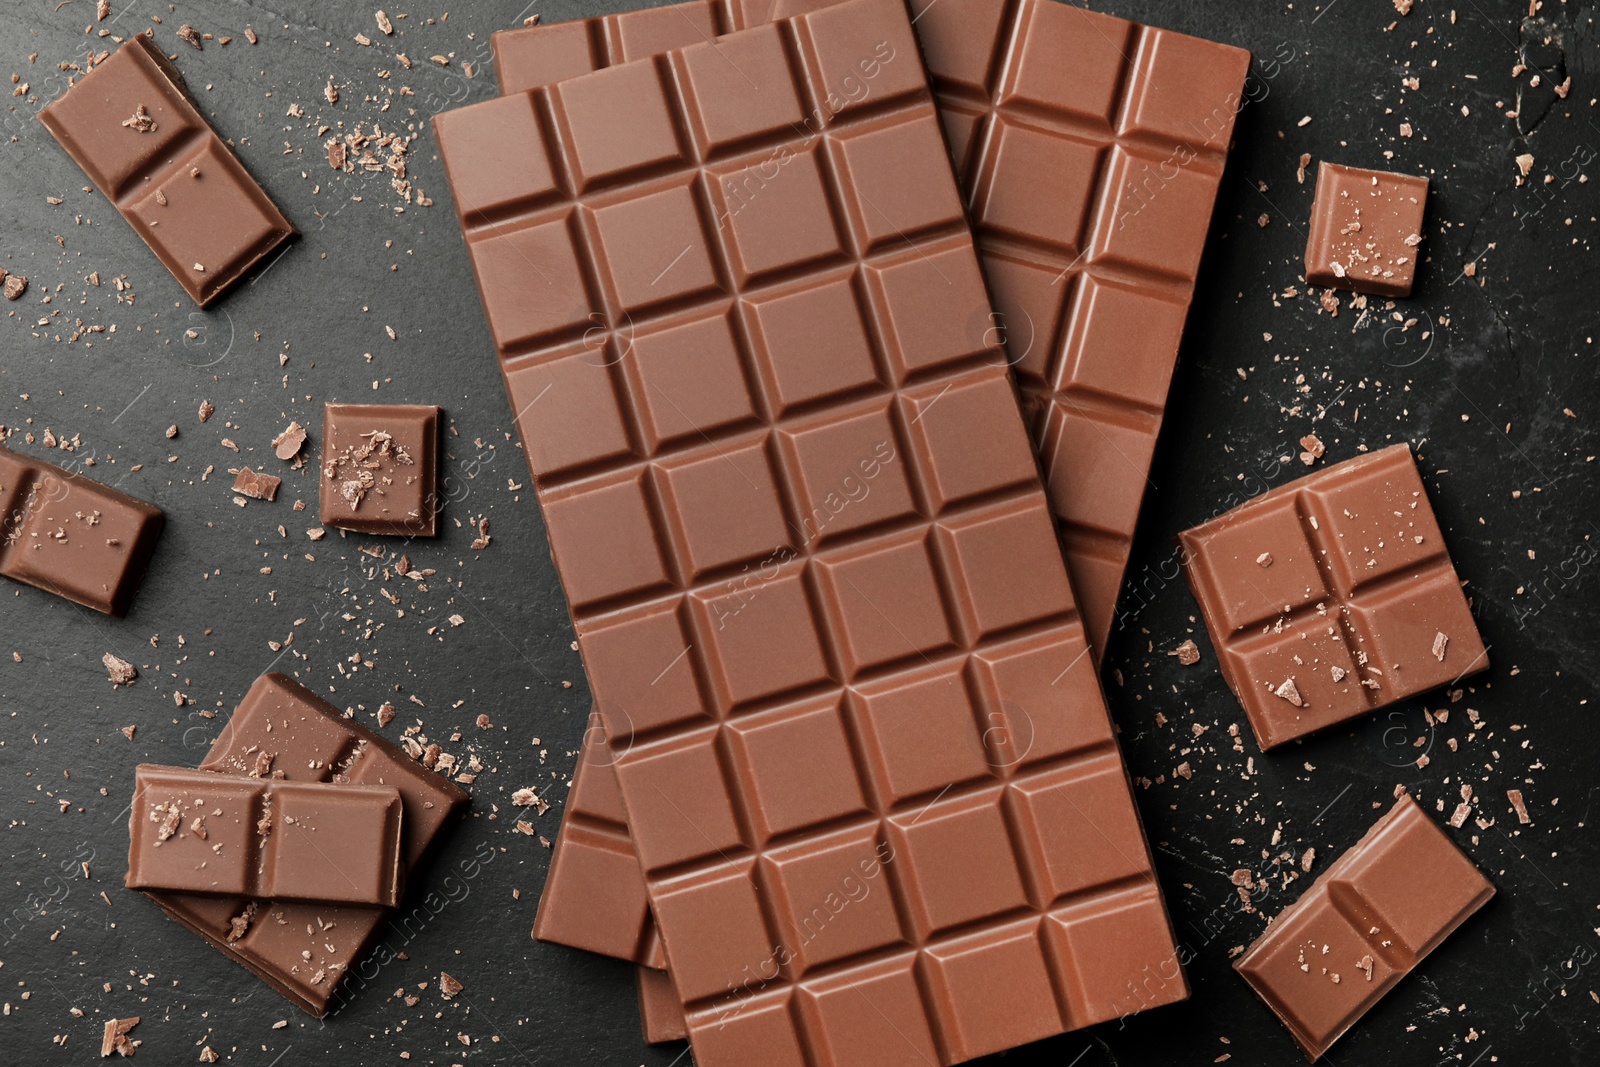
(140, 121)
(121, 671)
(15, 286)
(1440, 643)
(1188, 653)
(116, 1038)
(1287, 691)
(287, 444)
(257, 485)
(448, 986)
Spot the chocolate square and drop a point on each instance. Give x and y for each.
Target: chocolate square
(380, 468)
(1366, 226)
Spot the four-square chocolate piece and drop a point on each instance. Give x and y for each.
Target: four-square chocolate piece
(1365, 924)
(380, 468)
(1366, 226)
(1332, 596)
(72, 536)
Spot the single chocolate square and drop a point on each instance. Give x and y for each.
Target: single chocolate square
(1332, 596)
(72, 536)
(380, 468)
(1366, 229)
(202, 832)
(130, 124)
(1364, 924)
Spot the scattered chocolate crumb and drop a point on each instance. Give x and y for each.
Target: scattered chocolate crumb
(448, 987)
(1515, 796)
(385, 714)
(1314, 449)
(1305, 161)
(482, 540)
(1459, 816)
(1264, 560)
(15, 286)
(383, 22)
(1440, 643)
(116, 1038)
(172, 431)
(330, 92)
(336, 156)
(250, 35)
(1308, 859)
(102, 10)
(257, 485)
(209, 1055)
(188, 33)
(128, 732)
(140, 121)
(121, 671)
(287, 444)
(1188, 653)
(206, 410)
(1287, 691)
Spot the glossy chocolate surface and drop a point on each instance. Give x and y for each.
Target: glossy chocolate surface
(129, 123)
(1332, 596)
(281, 730)
(72, 536)
(1366, 923)
(773, 547)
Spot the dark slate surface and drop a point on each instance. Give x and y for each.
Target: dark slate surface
(1478, 384)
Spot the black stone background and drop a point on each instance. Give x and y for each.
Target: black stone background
(1478, 385)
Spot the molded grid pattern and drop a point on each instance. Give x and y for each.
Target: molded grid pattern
(1090, 186)
(764, 600)
(1339, 583)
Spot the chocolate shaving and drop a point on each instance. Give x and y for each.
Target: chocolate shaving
(140, 121)
(1287, 691)
(256, 484)
(288, 443)
(116, 1038)
(121, 671)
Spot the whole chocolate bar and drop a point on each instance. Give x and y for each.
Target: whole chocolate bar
(72, 536)
(200, 832)
(792, 504)
(1365, 924)
(129, 123)
(281, 730)
(1332, 596)
(1088, 151)
(380, 468)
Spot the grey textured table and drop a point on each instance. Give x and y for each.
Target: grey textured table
(1479, 383)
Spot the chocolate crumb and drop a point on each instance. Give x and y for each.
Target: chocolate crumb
(140, 121)
(1188, 653)
(206, 410)
(1287, 691)
(116, 1038)
(257, 485)
(121, 671)
(15, 286)
(448, 986)
(1440, 643)
(287, 444)
(188, 33)
(1515, 796)
(128, 732)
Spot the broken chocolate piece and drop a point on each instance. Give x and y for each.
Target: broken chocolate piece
(380, 468)
(1366, 226)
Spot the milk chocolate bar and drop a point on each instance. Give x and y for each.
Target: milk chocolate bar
(283, 731)
(199, 832)
(792, 504)
(129, 123)
(1088, 151)
(72, 536)
(1366, 923)
(1332, 596)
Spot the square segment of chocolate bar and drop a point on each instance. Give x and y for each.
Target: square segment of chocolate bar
(72, 536)
(1332, 596)
(1366, 230)
(380, 468)
(1365, 924)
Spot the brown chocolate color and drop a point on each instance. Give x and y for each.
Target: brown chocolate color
(1364, 924)
(72, 536)
(199, 832)
(1366, 229)
(660, 1008)
(380, 468)
(129, 123)
(772, 546)
(1326, 598)
(281, 730)
(1088, 151)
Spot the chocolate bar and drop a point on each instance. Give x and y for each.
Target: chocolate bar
(1366, 923)
(72, 536)
(199, 832)
(1088, 151)
(380, 468)
(283, 731)
(1366, 226)
(792, 505)
(130, 124)
(1332, 596)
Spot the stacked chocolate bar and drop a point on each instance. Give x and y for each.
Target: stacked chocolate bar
(289, 847)
(853, 765)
